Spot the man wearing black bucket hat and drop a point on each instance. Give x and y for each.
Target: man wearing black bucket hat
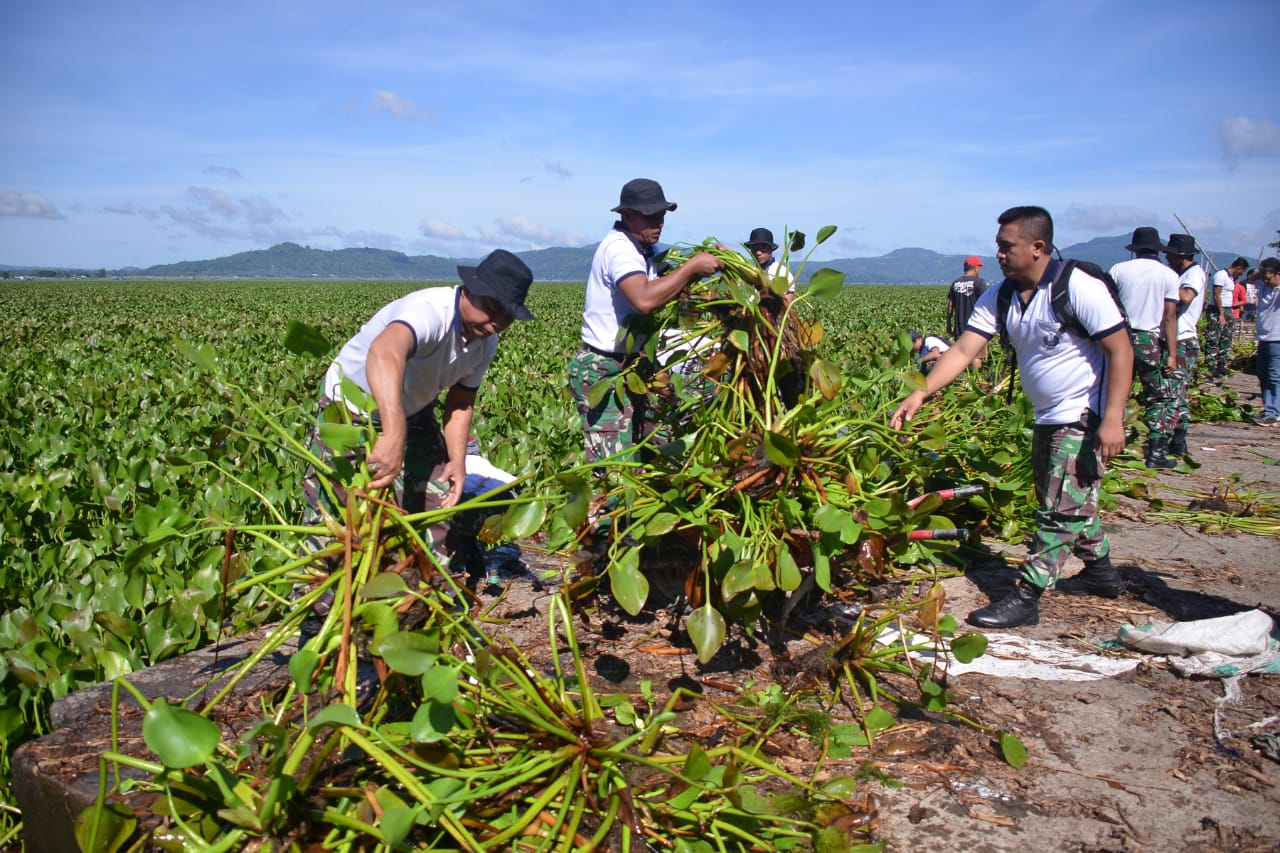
(762, 247)
(1149, 292)
(624, 282)
(438, 340)
(1181, 254)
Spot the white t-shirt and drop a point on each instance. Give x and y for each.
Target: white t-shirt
(1189, 315)
(1223, 279)
(606, 308)
(1061, 373)
(439, 361)
(776, 269)
(933, 342)
(1145, 286)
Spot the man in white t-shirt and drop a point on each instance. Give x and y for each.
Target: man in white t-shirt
(1181, 254)
(623, 282)
(762, 247)
(1149, 292)
(928, 349)
(438, 340)
(1219, 322)
(1078, 386)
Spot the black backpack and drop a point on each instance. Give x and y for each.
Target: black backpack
(1060, 298)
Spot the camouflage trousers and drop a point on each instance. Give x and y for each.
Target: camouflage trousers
(1188, 358)
(417, 488)
(615, 424)
(1158, 398)
(1217, 341)
(1067, 470)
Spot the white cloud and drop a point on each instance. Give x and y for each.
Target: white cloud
(541, 236)
(401, 108)
(435, 229)
(370, 239)
(1105, 218)
(131, 209)
(33, 205)
(216, 200)
(259, 211)
(1243, 138)
(224, 172)
(558, 169)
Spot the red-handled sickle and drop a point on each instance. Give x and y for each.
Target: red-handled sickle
(948, 494)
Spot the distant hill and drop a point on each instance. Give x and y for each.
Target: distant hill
(289, 260)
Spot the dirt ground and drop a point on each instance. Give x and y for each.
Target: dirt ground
(1131, 762)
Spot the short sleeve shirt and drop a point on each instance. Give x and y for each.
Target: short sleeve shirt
(607, 308)
(931, 343)
(1192, 278)
(1223, 279)
(1061, 373)
(1145, 285)
(440, 359)
(963, 295)
(778, 269)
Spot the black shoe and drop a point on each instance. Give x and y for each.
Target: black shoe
(1098, 578)
(1157, 455)
(1018, 608)
(1178, 444)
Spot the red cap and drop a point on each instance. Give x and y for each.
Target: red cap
(973, 261)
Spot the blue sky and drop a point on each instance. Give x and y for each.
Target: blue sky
(140, 133)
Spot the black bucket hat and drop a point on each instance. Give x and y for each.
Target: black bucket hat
(761, 237)
(644, 196)
(1145, 239)
(1182, 244)
(503, 277)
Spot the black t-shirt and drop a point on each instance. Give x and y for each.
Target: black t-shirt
(962, 296)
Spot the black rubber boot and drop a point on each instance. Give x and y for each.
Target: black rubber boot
(1098, 578)
(1178, 444)
(1157, 454)
(1018, 608)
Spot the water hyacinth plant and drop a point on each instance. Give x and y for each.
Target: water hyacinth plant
(758, 459)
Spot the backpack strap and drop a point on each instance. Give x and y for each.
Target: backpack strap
(1004, 298)
(1068, 320)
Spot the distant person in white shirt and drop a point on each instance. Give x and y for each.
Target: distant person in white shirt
(1219, 326)
(1181, 254)
(762, 247)
(928, 349)
(1149, 292)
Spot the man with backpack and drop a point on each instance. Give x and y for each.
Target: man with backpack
(1077, 372)
(1181, 254)
(1149, 292)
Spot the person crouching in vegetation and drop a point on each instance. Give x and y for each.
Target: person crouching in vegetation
(1078, 386)
(928, 349)
(438, 340)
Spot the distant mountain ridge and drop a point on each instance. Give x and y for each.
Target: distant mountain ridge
(289, 260)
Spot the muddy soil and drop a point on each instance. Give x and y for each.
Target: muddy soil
(1145, 760)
